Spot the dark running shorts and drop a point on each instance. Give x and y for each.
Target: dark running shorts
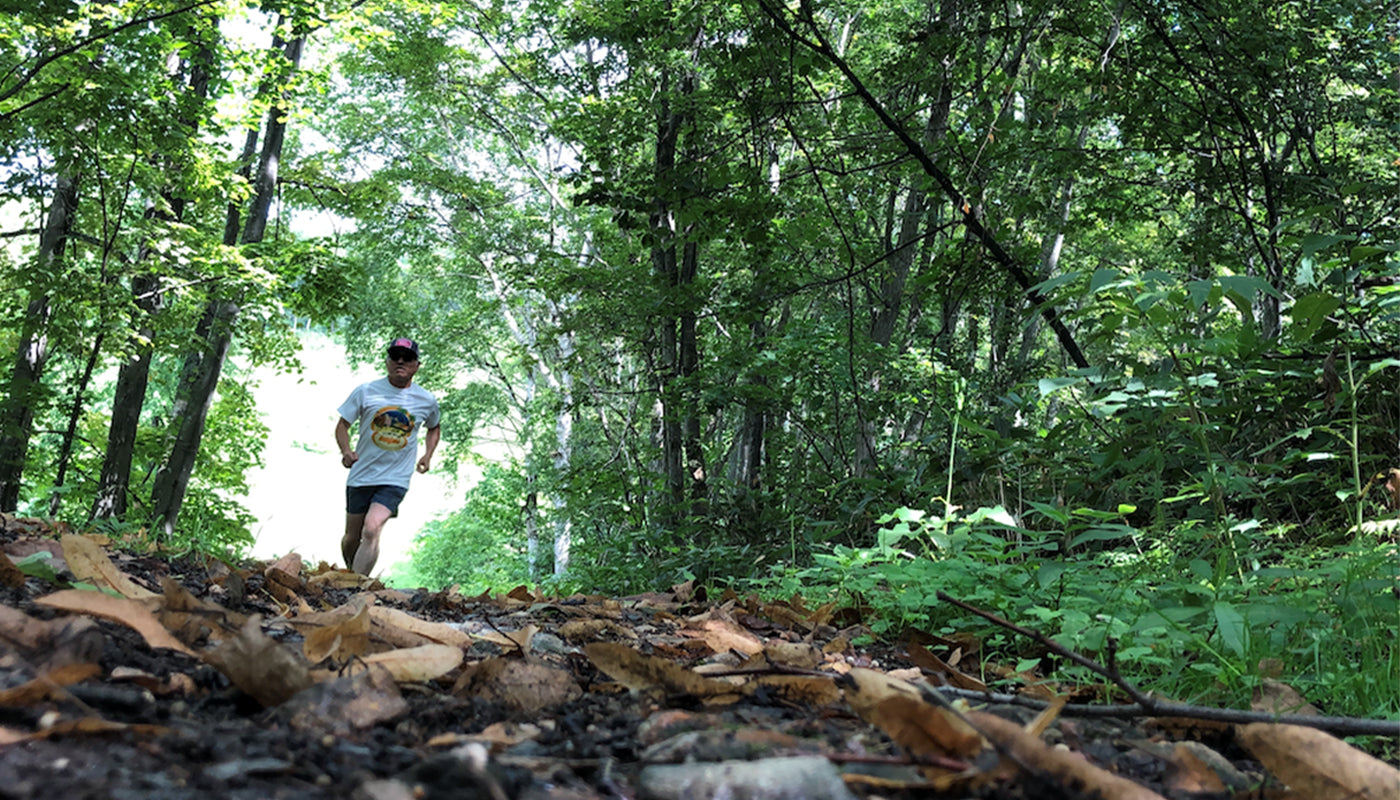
(358, 498)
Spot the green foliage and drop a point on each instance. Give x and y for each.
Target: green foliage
(1182, 617)
(480, 548)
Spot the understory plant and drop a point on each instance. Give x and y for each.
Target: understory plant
(1201, 613)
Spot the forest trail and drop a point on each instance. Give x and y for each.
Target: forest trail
(177, 678)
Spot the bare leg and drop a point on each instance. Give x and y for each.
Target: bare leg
(368, 551)
(354, 524)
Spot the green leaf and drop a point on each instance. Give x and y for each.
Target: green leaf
(1310, 311)
(1103, 278)
(36, 565)
(1233, 631)
(1049, 386)
(1049, 572)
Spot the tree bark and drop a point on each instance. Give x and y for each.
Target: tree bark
(25, 390)
(204, 367)
(133, 377)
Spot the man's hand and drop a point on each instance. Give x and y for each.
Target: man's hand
(425, 462)
(348, 460)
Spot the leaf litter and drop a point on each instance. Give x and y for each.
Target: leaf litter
(189, 677)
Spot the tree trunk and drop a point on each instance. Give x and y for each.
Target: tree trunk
(133, 377)
(24, 392)
(669, 275)
(127, 400)
(204, 367)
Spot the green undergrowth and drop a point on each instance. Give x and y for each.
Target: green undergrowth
(1201, 614)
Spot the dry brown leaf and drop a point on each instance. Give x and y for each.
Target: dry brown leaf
(1068, 768)
(1186, 773)
(268, 671)
(793, 654)
(432, 631)
(722, 635)
(809, 690)
(520, 685)
(587, 630)
(925, 730)
(48, 685)
(646, 673)
(926, 659)
(1276, 697)
(131, 613)
(865, 689)
(415, 664)
(341, 639)
(88, 562)
(10, 575)
(1317, 765)
(346, 703)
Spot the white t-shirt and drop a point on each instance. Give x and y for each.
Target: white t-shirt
(389, 419)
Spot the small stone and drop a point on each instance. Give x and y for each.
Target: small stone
(796, 778)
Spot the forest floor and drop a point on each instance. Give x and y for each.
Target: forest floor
(128, 676)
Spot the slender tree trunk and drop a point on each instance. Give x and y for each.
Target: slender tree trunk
(25, 390)
(133, 377)
(173, 479)
(667, 269)
(128, 397)
(70, 433)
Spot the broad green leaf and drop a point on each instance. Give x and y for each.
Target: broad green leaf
(1233, 630)
(1310, 311)
(1103, 278)
(1049, 386)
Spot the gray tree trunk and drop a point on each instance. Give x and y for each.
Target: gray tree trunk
(25, 390)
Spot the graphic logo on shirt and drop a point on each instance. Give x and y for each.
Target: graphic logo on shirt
(391, 427)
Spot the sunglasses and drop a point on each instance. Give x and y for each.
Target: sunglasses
(402, 357)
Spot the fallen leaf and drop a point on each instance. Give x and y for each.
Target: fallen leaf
(1319, 766)
(641, 672)
(341, 639)
(346, 703)
(415, 664)
(87, 561)
(1070, 769)
(520, 685)
(48, 685)
(10, 575)
(432, 631)
(265, 669)
(1276, 697)
(122, 610)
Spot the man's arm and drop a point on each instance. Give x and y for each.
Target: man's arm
(348, 457)
(431, 441)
